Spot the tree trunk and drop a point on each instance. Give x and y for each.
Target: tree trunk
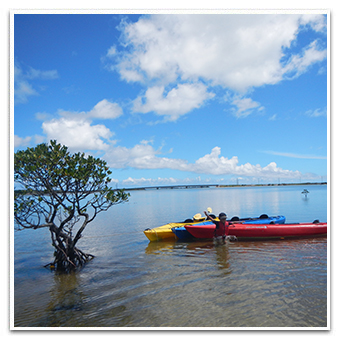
(67, 257)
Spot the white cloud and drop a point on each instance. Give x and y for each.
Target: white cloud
(111, 51)
(144, 156)
(38, 74)
(317, 112)
(122, 157)
(316, 21)
(245, 107)
(18, 141)
(77, 133)
(76, 130)
(298, 64)
(178, 101)
(106, 110)
(149, 181)
(23, 90)
(294, 155)
(215, 164)
(23, 87)
(235, 51)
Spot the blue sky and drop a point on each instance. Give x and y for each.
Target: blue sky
(173, 99)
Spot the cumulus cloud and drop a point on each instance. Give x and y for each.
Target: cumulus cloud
(215, 164)
(122, 157)
(178, 101)
(144, 156)
(106, 110)
(237, 52)
(77, 131)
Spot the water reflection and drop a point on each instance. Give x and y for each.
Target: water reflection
(136, 283)
(66, 300)
(65, 294)
(195, 248)
(222, 257)
(159, 247)
(95, 302)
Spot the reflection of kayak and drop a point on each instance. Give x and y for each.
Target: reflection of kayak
(167, 231)
(266, 231)
(182, 233)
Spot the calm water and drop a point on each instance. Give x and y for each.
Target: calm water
(134, 283)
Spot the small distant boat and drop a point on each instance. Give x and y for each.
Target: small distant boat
(266, 231)
(305, 192)
(183, 234)
(172, 231)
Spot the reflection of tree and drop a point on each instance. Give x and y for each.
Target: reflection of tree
(66, 299)
(69, 306)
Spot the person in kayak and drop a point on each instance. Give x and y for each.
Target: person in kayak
(222, 226)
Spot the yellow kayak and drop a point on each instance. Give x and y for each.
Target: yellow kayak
(165, 232)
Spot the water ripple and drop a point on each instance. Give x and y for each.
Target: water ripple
(133, 283)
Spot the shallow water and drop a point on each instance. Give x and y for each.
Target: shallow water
(136, 283)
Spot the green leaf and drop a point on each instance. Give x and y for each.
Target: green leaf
(54, 178)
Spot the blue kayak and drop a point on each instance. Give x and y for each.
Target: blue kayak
(183, 234)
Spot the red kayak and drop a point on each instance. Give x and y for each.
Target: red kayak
(256, 231)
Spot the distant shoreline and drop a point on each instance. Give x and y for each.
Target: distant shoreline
(195, 186)
(201, 186)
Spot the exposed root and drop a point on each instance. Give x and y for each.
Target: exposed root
(64, 262)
